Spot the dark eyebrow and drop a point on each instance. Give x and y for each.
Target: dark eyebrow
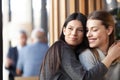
(81, 27)
(78, 27)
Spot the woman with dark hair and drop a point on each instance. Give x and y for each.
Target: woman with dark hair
(61, 61)
(101, 35)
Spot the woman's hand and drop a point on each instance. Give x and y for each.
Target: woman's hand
(114, 50)
(113, 54)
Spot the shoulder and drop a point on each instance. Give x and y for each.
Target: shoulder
(28, 47)
(86, 52)
(12, 48)
(55, 47)
(87, 56)
(25, 50)
(58, 44)
(44, 45)
(87, 59)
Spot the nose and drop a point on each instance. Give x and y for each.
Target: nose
(74, 32)
(89, 34)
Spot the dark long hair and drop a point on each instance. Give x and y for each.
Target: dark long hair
(53, 56)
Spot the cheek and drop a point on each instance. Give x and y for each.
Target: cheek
(102, 34)
(101, 38)
(66, 32)
(81, 36)
(97, 34)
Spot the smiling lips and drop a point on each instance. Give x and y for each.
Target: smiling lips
(91, 40)
(73, 38)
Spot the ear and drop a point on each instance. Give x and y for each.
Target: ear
(110, 30)
(64, 30)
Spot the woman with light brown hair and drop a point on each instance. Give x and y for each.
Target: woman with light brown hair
(101, 36)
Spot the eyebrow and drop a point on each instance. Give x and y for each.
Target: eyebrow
(94, 27)
(73, 26)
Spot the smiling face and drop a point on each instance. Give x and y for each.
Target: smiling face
(73, 33)
(97, 34)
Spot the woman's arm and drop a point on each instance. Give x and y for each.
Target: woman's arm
(76, 71)
(113, 54)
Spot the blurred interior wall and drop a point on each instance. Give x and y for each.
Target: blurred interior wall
(1, 43)
(17, 14)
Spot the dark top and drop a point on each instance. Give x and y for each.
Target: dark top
(13, 55)
(71, 69)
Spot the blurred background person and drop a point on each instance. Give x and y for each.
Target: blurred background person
(31, 56)
(13, 54)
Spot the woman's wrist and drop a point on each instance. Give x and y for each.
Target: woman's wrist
(107, 61)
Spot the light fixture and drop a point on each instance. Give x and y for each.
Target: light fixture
(109, 1)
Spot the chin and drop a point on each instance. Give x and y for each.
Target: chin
(92, 46)
(73, 44)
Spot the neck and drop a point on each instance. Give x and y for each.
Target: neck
(104, 46)
(104, 49)
(23, 45)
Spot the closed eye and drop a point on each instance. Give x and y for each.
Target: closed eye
(80, 30)
(95, 30)
(70, 28)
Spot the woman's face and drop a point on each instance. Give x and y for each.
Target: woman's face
(73, 32)
(98, 35)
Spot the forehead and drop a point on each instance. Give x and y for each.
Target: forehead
(93, 22)
(75, 23)
(22, 35)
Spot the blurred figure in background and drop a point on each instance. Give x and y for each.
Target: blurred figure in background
(31, 56)
(13, 54)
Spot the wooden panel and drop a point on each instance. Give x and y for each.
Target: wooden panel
(62, 13)
(56, 19)
(91, 6)
(82, 6)
(51, 20)
(72, 6)
(102, 4)
(98, 4)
